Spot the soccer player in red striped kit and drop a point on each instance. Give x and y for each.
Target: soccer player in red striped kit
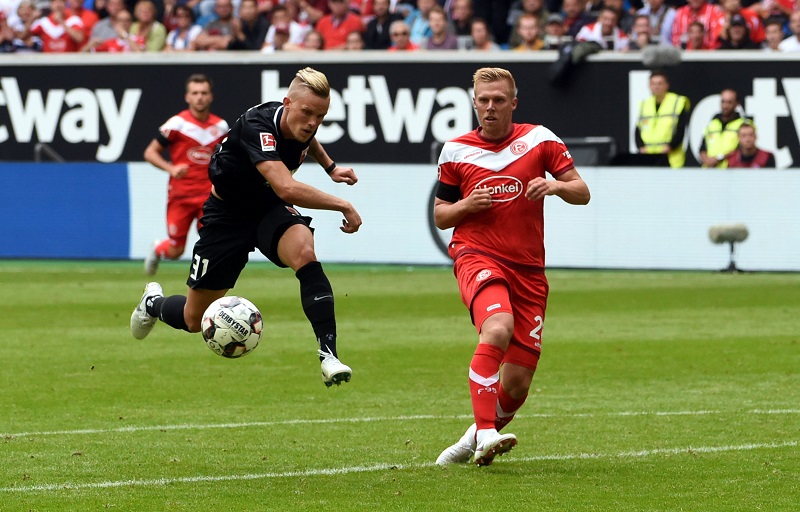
(492, 185)
(191, 136)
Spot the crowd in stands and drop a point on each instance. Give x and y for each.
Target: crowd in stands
(58, 26)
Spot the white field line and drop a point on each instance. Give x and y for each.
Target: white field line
(384, 466)
(248, 424)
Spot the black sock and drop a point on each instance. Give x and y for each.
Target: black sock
(316, 296)
(169, 310)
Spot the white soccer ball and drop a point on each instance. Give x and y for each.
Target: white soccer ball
(232, 326)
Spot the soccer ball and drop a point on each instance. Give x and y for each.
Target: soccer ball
(232, 326)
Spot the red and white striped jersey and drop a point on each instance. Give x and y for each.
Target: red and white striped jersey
(192, 142)
(685, 16)
(513, 228)
(54, 36)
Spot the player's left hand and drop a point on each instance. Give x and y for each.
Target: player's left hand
(540, 187)
(344, 175)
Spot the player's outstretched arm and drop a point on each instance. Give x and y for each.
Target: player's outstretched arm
(337, 174)
(305, 196)
(568, 185)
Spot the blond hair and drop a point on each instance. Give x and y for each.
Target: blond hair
(312, 80)
(489, 75)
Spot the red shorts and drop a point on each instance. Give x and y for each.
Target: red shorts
(181, 212)
(488, 287)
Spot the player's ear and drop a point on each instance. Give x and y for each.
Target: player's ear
(514, 104)
(286, 101)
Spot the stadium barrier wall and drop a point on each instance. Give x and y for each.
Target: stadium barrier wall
(637, 218)
(385, 107)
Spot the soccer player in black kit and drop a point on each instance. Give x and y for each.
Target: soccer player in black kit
(251, 206)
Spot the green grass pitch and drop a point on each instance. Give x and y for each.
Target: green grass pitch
(656, 391)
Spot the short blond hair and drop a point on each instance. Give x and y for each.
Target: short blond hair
(312, 80)
(489, 75)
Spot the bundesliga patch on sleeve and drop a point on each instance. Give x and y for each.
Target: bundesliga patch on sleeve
(267, 142)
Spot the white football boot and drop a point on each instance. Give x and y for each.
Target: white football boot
(333, 370)
(492, 445)
(462, 451)
(141, 322)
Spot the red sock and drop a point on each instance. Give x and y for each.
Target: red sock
(484, 379)
(162, 248)
(507, 407)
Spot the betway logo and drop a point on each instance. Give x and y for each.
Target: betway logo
(348, 110)
(502, 188)
(86, 109)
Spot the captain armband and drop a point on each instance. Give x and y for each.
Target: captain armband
(449, 193)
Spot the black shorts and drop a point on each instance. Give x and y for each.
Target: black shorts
(229, 235)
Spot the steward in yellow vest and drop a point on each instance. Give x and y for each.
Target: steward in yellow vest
(721, 136)
(662, 122)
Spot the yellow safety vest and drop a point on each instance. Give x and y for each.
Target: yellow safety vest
(657, 126)
(722, 140)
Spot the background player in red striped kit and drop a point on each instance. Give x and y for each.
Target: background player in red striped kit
(492, 185)
(191, 137)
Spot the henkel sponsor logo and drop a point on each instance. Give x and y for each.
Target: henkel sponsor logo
(199, 155)
(77, 114)
(502, 188)
(483, 274)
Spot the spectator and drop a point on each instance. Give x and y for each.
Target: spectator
(495, 14)
(354, 41)
(721, 136)
(663, 118)
(312, 42)
(59, 33)
(575, 18)
(148, 27)
(605, 32)
(169, 19)
(695, 10)
(661, 18)
(281, 37)
(217, 34)
(418, 21)
(87, 16)
(461, 18)
(792, 43)
(123, 41)
(747, 154)
(335, 26)
(555, 32)
(520, 7)
(281, 15)
(27, 14)
(641, 32)
(376, 35)
(481, 37)
(773, 34)
(736, 36)
(441, 37)
(249, 29)
(7, 37)
(312, 11)
(401, 41)
(781, 9)
(528, 28)
(729, 10)
(624, 18)
(104, 28)
(696, 37)
(266, 8)
(182, 37)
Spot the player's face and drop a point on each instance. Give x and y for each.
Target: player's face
(304, 111)
(494, 103)
(199, 97)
